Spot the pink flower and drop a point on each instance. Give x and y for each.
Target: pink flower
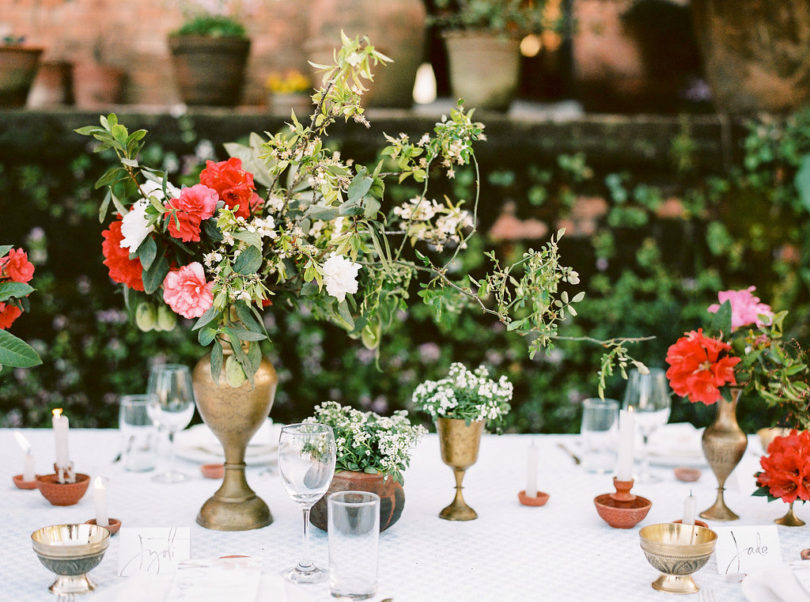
(189, 210)
(186, 291)
(745, 307)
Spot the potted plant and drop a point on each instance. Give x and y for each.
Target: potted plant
(462, 404)
(209, 53)
(95, 83)
(741, 350)
(372, 452)
(288, 90)
(483, 46)
(15, 274)
(18, 68)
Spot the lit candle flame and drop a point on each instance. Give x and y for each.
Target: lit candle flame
(57, 412)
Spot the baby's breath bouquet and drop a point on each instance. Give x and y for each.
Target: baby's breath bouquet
(367, 442)
(465, 395)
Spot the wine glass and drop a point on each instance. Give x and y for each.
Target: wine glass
(171, 409)
(649, 396)
(306, 460)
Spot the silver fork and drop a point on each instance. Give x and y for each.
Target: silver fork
(706, 595)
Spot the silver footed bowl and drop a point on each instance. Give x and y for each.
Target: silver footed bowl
(71, 551)
(677, 551)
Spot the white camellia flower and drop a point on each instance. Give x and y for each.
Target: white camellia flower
(151, 188)
(135, 227)
(340, 276)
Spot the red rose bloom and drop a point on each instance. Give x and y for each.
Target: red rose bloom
(187, 212)
(8, 313)
(16, 266)
(233, 184)
(696, 368)
(123, 270)
(786, 468)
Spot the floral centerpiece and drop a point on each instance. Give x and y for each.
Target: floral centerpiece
(372, 452)
(785, 473)
(214, 18)
(741, 349)
(15, 274)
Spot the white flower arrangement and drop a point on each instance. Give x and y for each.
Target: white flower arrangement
(367, 442)
(465, 395)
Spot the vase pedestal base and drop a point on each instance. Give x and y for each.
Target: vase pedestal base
(235, 506)
(790, 519)
(458, 510)
(719, 510)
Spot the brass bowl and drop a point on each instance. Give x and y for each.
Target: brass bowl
(71, 551)
(677, 551)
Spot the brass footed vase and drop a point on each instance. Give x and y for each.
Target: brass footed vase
(724, 444)
(459, 445)
(790, 519)
(234, 415)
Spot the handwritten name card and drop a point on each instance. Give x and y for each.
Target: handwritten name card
(152, 551)
(742, 550)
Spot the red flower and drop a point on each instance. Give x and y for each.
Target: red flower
(233, 184)
(696, 368)
(122, 269)
(187, 212)
(16, 266)
(8, 313)
(786, 468)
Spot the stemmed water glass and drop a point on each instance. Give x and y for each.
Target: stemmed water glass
(306, 461)
(171, 409)
(649, 396)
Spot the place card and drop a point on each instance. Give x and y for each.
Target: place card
(742, 550)
(235, 578)
(152, 551)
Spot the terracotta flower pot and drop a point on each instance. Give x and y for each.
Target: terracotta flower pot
(209, 70)
(18, 68)
(392, 496)
(96, 86)
(53, 85)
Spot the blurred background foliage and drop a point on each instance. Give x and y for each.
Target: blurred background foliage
(653, 260)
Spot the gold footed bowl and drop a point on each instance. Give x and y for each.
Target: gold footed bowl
(459, 445)
(677, 551)
(234, 415)
(790, 519)
(70, 551)
(724, 444)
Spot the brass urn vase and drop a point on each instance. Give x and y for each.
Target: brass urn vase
(724, 444)
(459, 444)
(234, 414)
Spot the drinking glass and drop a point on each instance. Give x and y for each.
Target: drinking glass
(354, 532)
(649, 396)
(306, 461)
(600, 424)
(171, 409)
(138, 432)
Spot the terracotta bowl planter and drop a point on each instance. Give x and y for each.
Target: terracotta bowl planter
(21, 484)
(113, 528)
(96, 86)
(18, 68)
(392, 496)
(209, 71)
(63, 494)
(622, 515)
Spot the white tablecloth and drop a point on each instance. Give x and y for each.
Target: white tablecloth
(562, 551)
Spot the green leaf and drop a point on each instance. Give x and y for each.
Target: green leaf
(254, 239)
(243, 334)
(359, 187)
(4, 249)
(88, 130)
(14, 289)
(247, 318)
(206, 318)
(111, 176)
(16, 353)
(216, 361)
(105, 204)
(154, 276)
(370, 207)
(206, 335)
(802, 181)
(212, 231)
(248, 262)
(721, 320)
(147, 252)
(323, 213)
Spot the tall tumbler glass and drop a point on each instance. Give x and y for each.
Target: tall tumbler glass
(599, 432)
(138, 432)
(354, 532)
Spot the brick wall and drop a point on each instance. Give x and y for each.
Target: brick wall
(131, 35)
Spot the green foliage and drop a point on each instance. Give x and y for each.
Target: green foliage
(212, 26)
(511, 18)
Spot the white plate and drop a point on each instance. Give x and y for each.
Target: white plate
(673, 461)
(199, 444)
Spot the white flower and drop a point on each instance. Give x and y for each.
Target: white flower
(135, 227)
(340, 276)
(150, 188)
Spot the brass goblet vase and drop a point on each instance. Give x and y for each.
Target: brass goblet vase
(790, 519)
(724, 444)
(234, 414)
(459, 443)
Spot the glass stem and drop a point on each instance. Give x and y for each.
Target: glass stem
(645, 458)
(305, 563)
(171, 452)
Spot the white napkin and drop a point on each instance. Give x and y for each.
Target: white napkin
(679, 439)
(199, 436)
(778, 583)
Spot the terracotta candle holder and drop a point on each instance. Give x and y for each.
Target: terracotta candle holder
(213, 471)
(63, 494)
(622, 509)
(699, 523)
(113, 527)
(18, 481)
(539, 500)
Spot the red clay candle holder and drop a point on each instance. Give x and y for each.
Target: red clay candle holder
(21, 484)
(213, 471)
(113, 527)
(539, 500)
(63, 494)
(622, 509)
(699, 523)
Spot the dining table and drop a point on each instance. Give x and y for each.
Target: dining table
(559, 551)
